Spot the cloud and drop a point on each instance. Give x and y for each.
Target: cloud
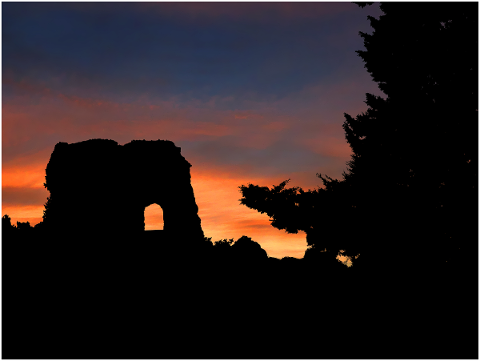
(217, 197)
(244, 50)
(263, 140)
(25, 87)
(199, 11)
(264, 143)
(22, 196)
(251, 92)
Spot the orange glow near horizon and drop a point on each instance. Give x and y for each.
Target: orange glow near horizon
(220, 211)
(276, 122)
(32, 214)
(68, 118)
(217, 197)
(19, 177)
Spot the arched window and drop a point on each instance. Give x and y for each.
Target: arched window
(153, 217)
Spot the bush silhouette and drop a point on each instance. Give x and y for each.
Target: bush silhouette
(247, 250)
(24, 226)
(7, 226)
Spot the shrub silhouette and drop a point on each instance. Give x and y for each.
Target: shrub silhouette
(9, 231)
(223, 243)
(247, 250)
(222, 249)
(24, 226)
(7, 226)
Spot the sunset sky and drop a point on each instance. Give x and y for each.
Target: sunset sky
(251, 92)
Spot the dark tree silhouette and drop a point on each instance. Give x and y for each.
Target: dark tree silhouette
(24, 226)
(294, 209)
(222, 249)
(416, 150)
(410, 189)
(6, 222)
(223, 243)
(8, 229)
(408, 201)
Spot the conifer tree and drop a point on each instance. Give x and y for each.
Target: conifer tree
(409, 193)
(421, 141)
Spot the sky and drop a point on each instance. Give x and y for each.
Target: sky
(251, 92)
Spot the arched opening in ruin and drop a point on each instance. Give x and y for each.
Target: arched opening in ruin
(153, 217)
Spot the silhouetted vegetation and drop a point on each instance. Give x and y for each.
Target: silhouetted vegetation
(7, 226)
(407, 205)
(410, 191)
(247, 249)
(142, 297)
(24, 226)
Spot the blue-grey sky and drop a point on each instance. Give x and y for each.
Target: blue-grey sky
(251, 92)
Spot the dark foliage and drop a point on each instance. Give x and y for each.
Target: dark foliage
(414, 163)
(24, 226)
(8, 229)
(143, 297)
(223, 243)
(410, 191)
(7, 223)
(408, 201)
(247, 250)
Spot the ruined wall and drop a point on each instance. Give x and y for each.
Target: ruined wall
(100, 187)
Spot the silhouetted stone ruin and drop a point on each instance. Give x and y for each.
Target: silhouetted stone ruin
(98, 187)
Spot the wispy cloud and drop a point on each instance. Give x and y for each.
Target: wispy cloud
(251, 92)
